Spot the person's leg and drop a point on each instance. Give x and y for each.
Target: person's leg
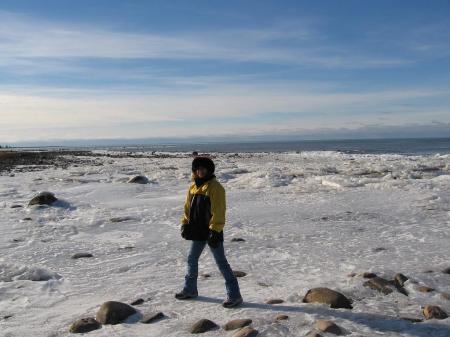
(231, 282)
(190, 280)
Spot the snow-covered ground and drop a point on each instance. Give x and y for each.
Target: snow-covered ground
(309, 220)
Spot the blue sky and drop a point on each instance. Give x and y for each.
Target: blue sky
(231, 69)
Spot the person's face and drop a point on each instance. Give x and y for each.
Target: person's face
(201, 172)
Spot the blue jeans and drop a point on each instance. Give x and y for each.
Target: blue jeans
(190, 283)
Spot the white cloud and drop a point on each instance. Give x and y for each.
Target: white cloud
(116, 115)
(31, 38)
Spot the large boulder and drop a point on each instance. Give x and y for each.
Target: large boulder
(327, 296)
(85, 325)
(43, 198)
(237, 324)
(112, 312)
(202, 326)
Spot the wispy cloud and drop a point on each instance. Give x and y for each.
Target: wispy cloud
(220, 110)
(23, 37)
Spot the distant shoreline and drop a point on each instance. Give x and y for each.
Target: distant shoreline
(363, 146)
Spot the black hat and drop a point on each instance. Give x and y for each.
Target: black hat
(205, 162)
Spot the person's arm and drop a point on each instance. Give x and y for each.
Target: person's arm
(218, 208)
(187, 205)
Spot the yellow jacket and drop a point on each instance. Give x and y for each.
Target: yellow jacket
(204, 209)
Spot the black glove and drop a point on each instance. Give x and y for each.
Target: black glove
(183, 231)
(214, 239)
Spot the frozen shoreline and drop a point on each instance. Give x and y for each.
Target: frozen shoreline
(309, 219)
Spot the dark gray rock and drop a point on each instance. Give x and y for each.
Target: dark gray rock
(412, 319)
(139, 180)
(400, 279)
(43, 198)
(16, 206)
(246, 332)
(81, 255)
(85, 325)
(202, 326)
(433, 311)
(237, 324)
(446, 270)
(121, 219)
(384, 286)
(274, 301)
(237, 240)
(152, 317)
(138, 301)
(112, 312)
(239, 273)
(327, 296)
(281, 317)
(328, 327)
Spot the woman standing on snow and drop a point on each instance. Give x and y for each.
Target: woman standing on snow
(202, 223)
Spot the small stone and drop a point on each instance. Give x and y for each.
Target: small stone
(378, 249)
(412, 319)
(446, 296)
(81, 255)
(314, 334)
(203, 325)
(246, 332)
(446, 270)
(281, 317)
(7, 316)
(112, 312)
(369, 275)
(139, 180)
(328, 327)
(27, 219)
(400, 279)
(43, 198)
(121, 219)
(85, 325)
(425, 289)
(239, 273)
(138, 301)
(433, 311)
(263, 284)
(352, 274)
(428, 271)
(327, 296)
(126, 248)
(237, 240)
(274, 301)
(205, 275)
(16, 206)
(237, 324)
(152, 317)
